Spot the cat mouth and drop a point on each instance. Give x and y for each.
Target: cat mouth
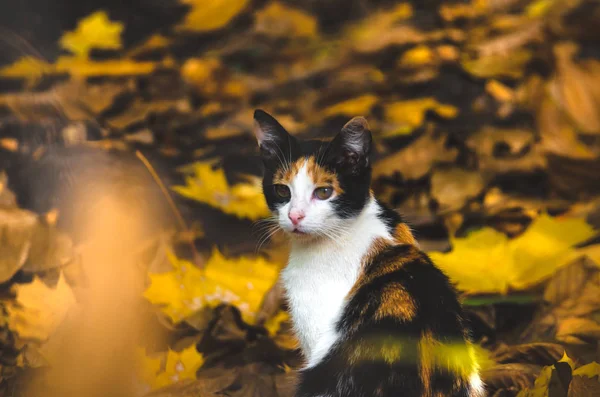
(298, 231)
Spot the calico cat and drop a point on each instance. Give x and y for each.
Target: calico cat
(373, 314)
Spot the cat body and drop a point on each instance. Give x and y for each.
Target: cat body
(373, 315)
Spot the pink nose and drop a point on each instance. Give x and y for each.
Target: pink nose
(296, 216)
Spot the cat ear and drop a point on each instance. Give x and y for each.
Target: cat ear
(273, 139)
(354, 143)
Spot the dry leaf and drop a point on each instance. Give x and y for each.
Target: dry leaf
(573, 89)
(383, 29)
(93, 31)
(38, 309)
(405, 116)
(452, 188)
(558, 135)
(215, 14)
(179, 366)
(416, 161)
(351, 107)
(280, 20)
(518, 263)
(576, 330)
(210, 186)
(28, 243)
(241, 282)
(498, 65)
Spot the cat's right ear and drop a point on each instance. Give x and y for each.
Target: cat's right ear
(273, 140)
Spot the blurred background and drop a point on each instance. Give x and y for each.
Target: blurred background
(132, 257)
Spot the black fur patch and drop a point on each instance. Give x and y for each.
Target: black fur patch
(438, 313)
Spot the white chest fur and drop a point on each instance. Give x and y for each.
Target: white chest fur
(318, 278)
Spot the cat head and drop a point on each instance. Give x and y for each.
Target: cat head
(314, 188)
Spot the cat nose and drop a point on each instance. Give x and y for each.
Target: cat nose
(296, 216)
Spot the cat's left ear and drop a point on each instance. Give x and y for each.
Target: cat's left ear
(353, 144)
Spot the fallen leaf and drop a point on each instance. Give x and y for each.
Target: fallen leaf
(207, 16)
(179, 366)
(578, 331)
(382, 29)
(510, 376)
(410, 114)
(498, 65)
(421, 55)
(38, 310)
(558, 135)
(516, 264)
(499, 91)
(573, 89)
(210, 186)
(93, 31)
(241, 282)
(451, 188)
(280, 20)
(351, 107)
(590, 370)
(416, 161)
(28, 243)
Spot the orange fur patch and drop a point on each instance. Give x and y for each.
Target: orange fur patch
(396, 302)
(403, 235)
(319, 175)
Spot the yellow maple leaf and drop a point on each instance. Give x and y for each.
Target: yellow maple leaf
(410, 114)
(590, 370)
(210, 186)
(241, 282)
(179, 366)
(210, 15)
(486, 261)
(38, 309)
(93, 31)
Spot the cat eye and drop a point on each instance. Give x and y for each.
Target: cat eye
(282, 191)
(323, 193)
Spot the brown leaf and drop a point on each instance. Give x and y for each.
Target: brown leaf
(510, 376)
(566, 283)
(582, 386)
(529, 353)
(452, 188)
(29, 243)
(558, 135)
(576, 330)
(573, 88)
(416, 160)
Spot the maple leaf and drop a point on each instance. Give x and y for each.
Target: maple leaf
(241, 282)
(93, 31)
(547, 385)
(38, 309)
(544, 247)
(178, 366)
(210, 186)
